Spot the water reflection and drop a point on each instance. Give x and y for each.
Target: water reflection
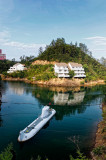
(70, 102)
(17, 88)
(75, 116)
(68, 99)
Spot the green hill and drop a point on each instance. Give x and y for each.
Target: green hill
(59, 51)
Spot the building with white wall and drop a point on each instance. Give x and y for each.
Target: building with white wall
(16, 67)
(61, 70)
(78, 70)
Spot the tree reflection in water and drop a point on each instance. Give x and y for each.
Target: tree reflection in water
(70, 102)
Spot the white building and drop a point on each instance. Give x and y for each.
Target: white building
(78, 70)
(16, 67)
(61, 70)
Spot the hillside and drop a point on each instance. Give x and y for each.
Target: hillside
(59, 51)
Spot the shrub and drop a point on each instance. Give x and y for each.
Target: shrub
(104, 137)
(5, 73)
(99, 150)
(86, 80)
(41, 72)
(71, 74)
(7, 153)
(80, 156)
(82, 82)
(104, 130)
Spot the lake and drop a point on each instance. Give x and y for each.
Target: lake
(78, 112)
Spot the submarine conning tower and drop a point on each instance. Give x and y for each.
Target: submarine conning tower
(45, 112)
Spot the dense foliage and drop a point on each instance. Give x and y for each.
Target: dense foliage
(7, 153)
(59, 51)
(5, 65)
(41, 72)
(35, 72)
(71, 74)
(18, 74)
(26, 60)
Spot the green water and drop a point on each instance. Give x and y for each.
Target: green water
(77, 116)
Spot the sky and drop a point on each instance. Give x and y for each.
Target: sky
(26, 25)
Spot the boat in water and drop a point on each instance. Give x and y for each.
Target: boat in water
(37, 124)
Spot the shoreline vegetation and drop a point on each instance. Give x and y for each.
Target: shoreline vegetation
(58, 82)
(99, 150)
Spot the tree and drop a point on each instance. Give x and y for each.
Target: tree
(71, 44)
(60, 42)
(52, 43)
(76, 44)
(83, 47)
(71, 74)
(13, 59)
(22, 58)
(40, 50)
(103, 61)
(27, 60)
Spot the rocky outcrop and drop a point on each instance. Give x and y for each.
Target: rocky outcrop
(58, 82)
(93, 83)
(41, 62)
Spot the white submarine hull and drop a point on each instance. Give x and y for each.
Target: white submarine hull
(36, 125)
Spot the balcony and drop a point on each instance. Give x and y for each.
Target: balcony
(82, 72)
(78, 69)
(63, 75)
(61, 71)
(80, 76)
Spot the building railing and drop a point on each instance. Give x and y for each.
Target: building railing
(63, 75)
(79, 71)
(79, 76)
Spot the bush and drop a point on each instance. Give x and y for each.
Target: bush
(80, 156)
(99, 150)
(71, 74)
(41, 72)
(104, 137)
(104, 130)
(82, 82)
(7, 153)
(86, 80)
(5, 73)
(18, 74)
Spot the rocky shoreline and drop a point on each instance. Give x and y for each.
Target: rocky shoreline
(99, 151)
(58, 82)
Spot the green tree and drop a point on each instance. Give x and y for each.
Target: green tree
(7, 153)
(71, 74)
